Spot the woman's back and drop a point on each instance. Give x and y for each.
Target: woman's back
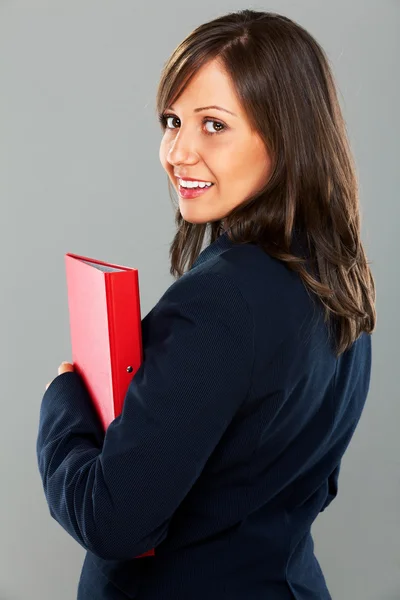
(243, 530)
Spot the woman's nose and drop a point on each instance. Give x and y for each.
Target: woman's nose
(182, 150)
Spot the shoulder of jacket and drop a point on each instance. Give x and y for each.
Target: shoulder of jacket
(252, 271)
(208, 282)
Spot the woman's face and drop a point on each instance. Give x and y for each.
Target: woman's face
(212, 145)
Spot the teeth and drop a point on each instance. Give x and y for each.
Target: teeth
(195, 184)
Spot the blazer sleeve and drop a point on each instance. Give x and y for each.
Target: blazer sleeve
(115, 492)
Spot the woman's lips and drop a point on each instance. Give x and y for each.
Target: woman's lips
(188, 193)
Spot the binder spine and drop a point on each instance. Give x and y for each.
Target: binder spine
(123, 307)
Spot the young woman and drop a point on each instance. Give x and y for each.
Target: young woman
(256, 359)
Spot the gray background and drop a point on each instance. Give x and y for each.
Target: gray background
(80, 173)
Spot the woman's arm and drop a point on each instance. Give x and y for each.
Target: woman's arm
(116, 493)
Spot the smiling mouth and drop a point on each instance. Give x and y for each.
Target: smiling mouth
(185, 192)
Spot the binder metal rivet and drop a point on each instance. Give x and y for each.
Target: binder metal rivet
(129, 369)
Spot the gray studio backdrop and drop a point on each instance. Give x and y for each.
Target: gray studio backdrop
(80, 173)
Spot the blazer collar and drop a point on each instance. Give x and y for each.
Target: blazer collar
(214, 249)
(222, 243)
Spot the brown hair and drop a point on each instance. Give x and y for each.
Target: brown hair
(282, 77)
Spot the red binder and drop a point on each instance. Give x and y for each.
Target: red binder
(105, 330)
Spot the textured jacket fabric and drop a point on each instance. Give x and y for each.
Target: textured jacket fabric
(228, 446)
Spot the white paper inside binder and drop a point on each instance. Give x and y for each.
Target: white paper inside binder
(103, 268)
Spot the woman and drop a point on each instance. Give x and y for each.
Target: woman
(257, 358)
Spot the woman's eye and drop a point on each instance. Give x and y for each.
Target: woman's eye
(219, 125)
(168, 118)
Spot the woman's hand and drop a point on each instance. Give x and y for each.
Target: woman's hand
(63, 368)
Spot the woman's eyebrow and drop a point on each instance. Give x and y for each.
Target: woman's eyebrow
(207, 108)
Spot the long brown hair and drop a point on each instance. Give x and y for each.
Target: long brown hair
(283, 78)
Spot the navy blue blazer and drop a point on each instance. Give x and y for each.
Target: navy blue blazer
(228, 446)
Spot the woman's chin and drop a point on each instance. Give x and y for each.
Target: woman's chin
(188, 216)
